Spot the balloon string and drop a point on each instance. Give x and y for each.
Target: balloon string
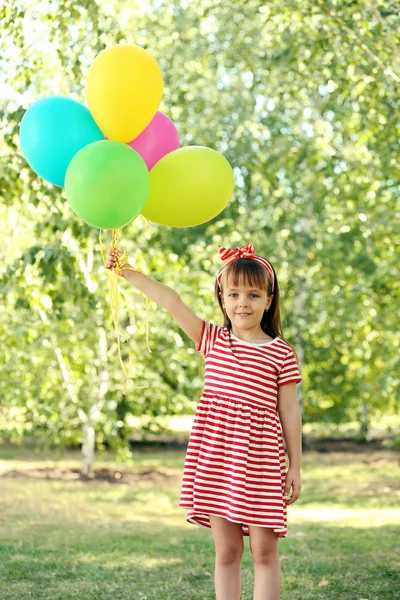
(147, 300)
(121, 261)
(149, 223)
(115, 304)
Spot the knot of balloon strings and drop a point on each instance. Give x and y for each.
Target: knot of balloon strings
(115, 305)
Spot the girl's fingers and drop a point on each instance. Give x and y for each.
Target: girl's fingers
(295, 495)
(293, 499)
(111, 260)
(115, 251)
(294, 486)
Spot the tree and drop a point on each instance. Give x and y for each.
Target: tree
(302, 100)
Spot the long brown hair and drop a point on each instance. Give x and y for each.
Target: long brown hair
(255, 275)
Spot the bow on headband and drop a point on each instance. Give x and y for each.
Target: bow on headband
(248, 251)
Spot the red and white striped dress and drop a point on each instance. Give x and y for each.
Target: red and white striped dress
(235, 463)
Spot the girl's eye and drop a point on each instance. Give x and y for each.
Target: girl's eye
(254, 295)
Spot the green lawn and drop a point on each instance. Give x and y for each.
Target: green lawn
(61, 538)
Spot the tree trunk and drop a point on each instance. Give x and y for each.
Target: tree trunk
(96, 405)
(89, 427)
(364, 420)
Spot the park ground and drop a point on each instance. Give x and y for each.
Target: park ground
(121, 534)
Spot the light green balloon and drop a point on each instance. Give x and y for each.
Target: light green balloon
(107, 184)
(189, 186)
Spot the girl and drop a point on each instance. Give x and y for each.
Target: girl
(234, 478)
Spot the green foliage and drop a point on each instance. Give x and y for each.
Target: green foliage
(302, 98)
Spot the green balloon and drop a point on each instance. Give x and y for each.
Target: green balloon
(107, 184)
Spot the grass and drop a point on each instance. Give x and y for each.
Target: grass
(65, 539)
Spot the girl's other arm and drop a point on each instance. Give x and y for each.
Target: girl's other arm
(290, 418)
(164, 296)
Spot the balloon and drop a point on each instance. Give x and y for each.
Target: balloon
(158, 139)
(107, 184)
(123, 91)
(52, 131)
(189, 186)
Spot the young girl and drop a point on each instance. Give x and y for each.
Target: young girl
(235, 480)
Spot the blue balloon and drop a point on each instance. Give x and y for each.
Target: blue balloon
(52, 131)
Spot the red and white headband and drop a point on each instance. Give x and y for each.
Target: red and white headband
(248, 251)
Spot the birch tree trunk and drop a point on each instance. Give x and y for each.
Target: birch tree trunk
(95, 408)
(97, 402)
(364, 420)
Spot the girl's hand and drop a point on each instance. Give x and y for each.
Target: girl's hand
(293, 481)
(111, 262)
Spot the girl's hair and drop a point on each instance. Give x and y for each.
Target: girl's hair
(253, 274)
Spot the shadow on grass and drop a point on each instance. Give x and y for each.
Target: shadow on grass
(344, 489)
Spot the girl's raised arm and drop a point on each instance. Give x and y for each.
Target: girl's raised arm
(163, 295)
(186, 318)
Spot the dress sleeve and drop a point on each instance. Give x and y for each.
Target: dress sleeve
(289, 372)
(208, 336)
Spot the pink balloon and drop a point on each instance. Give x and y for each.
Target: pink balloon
(158, 139)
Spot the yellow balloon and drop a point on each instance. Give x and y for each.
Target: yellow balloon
(189, 186)
(123, 91)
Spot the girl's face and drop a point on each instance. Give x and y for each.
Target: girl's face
(244, 304)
